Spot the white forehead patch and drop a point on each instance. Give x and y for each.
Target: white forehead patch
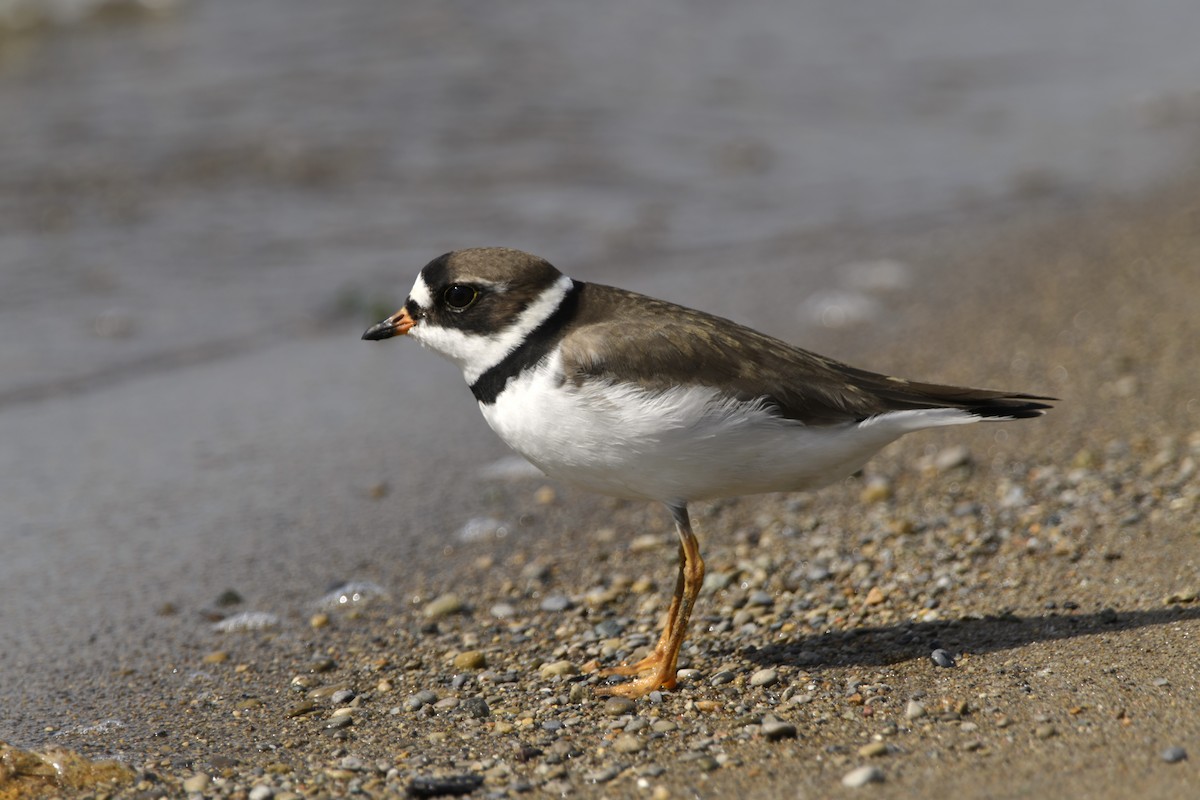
(420, 292)
(476, 353)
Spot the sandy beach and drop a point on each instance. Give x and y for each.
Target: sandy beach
(1054, 561)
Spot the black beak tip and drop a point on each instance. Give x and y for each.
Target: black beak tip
(377, 332)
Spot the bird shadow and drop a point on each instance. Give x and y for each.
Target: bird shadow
(891, 644)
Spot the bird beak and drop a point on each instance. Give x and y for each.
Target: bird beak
(397, 324)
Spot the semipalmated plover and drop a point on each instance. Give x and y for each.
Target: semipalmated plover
(640, 398)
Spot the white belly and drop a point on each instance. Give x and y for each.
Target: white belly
(682, 445)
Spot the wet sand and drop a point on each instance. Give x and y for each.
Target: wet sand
(1055, 562)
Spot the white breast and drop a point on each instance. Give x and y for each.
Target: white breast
(680, 445)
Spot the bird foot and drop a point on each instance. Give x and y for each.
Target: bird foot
(661, 675)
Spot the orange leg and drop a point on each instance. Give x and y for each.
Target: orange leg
(659, 666)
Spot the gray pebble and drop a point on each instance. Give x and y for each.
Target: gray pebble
(914, 710)
(429, 786)
(420, 699)
(261, 792)
(340, 721)
(556, 602)
(942, 658)
(764, 677)
(602, 775)
(722, 678)
(1173, 755)
(341, 697)
(862, 776)
(476, 707)
(760, 598)
(616, 706)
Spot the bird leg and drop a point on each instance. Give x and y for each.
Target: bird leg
(660, 664)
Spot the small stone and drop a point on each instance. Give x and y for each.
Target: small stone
(942, 658)
(555, 603)
(1045, 731)
(616, 706)
(950, 457)
(216, 657)
(319, 620)
(1186, 596)
(914, 710)
(476, 707)
(341, 697)
(196, 784)
(470, 659)
(721, 678)
(503, 611)
(873, 749)
(628, 743)
(764, 677)
(558, 669)
(1173, 755)
(876, 491)
(856, 778)
(261, 792)
(453, 785)
(443, 606)
(599, 776)
(339, 721)
(545, 496)
(300, 709)
(774, 730)
(875, 596)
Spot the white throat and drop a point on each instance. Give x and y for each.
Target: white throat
(476, 353)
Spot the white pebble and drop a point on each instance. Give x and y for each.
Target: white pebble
(862, 776)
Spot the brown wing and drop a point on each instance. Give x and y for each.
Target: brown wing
(625, 336)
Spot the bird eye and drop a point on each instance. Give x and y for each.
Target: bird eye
(458, 297)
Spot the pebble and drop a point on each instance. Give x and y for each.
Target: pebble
(1045, 731)
(420, 699)
(876, 596)
(776, 729)
(721, 678)
(942, 658)
(443, 606)
(1173, 755)
(558, 669)
(617, 706)
(862, 776)
(764, 677)
(341, 697)
(555, 603)
(628, 743)
(452, 785)
(476, 707)
(601, 775)
(503, 611)
(914, 710)
(196, 784)
(470, 659)
(247, 621)
(873, 749)
(950, 457)
(261, 792)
